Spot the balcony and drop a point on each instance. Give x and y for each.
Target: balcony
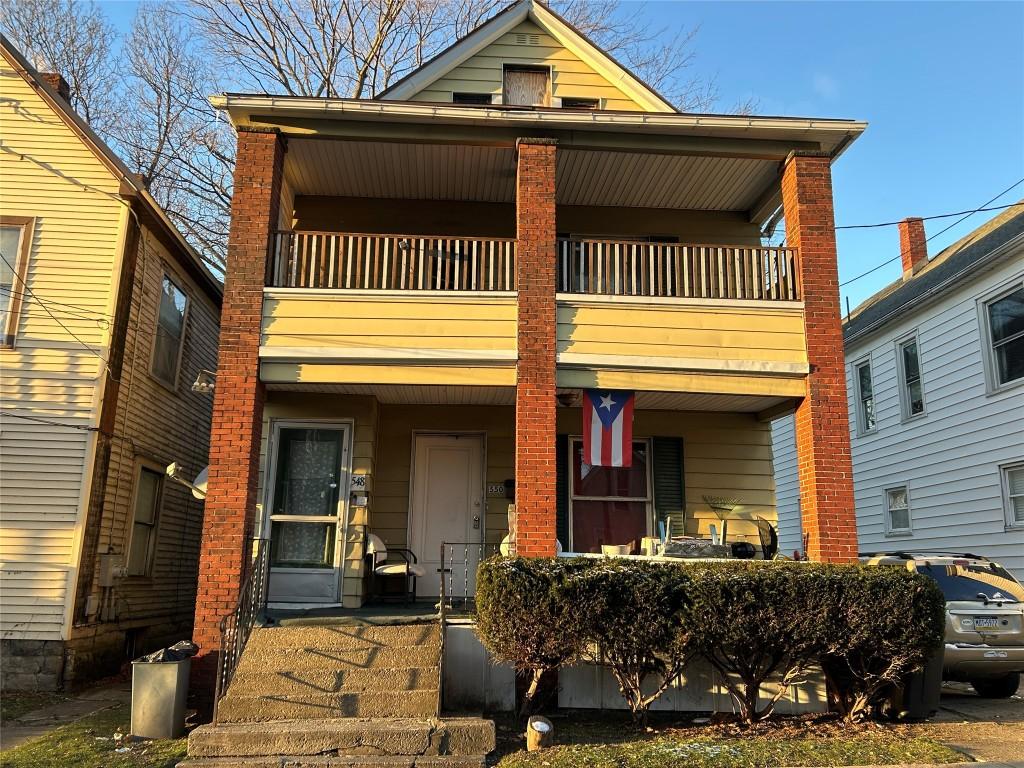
(388, 262)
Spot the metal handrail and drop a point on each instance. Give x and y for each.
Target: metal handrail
(236, 626)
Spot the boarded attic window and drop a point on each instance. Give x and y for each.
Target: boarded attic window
(471, 98)
(527, 86)
(574, 103)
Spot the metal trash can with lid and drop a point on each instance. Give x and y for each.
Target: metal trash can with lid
(160, 691)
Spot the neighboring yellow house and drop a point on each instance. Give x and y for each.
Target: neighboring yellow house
(108, 318)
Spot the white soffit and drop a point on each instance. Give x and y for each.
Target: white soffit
(391, 170)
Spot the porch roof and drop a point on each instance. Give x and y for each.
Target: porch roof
(431, 151)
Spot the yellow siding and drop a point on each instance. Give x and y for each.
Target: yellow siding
(159, 426)
(724, 454)
(375, 338)
(672, 345)
(571, 77)
(46, 172)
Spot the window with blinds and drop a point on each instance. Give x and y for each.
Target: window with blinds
(527, 86)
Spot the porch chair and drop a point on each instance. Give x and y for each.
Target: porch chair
(769, 538)
(405, 567)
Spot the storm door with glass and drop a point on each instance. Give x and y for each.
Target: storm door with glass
(307, 498)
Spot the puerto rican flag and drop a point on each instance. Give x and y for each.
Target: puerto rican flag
(608, 428)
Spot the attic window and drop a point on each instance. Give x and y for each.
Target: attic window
(574, 103)
(471, 98)
(527, 86)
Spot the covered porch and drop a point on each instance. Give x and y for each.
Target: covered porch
(430, 469)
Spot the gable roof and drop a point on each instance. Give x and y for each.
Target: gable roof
(131, 187)
(984, 247)
(561, 30)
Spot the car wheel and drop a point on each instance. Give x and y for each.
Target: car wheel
(997, 687)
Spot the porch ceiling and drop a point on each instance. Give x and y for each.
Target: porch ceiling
(394, 170)
(411, 394)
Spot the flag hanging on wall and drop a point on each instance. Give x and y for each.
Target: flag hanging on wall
(608, 428)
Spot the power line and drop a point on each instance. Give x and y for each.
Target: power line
(106, 363)
(53, 302)
(964, 215)
(100, 320)
(940, 215)
(65, 424)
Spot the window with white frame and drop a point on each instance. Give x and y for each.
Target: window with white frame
(1013, 494)
(609, 505)
(865, 397)
(145, 515)
(1005, 317)
(170, 332)
(15, 246)
(897, 511)
(912, 390)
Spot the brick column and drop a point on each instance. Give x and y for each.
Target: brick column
(822, 419)
(535, 376)
(230, 508)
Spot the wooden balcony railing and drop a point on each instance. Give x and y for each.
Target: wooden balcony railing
(391, 262)
(625, 268)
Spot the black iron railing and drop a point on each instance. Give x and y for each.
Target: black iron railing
(236, 627)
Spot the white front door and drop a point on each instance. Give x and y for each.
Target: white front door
(306, 501)
(447, 508)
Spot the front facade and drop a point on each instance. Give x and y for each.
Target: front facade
(108, 319)
(421, 286)
(935, 372)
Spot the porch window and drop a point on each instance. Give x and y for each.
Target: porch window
(609, 505)
(306, 489)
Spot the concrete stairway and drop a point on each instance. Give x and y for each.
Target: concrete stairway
(339, 695)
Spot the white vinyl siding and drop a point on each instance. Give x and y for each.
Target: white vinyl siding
(787, 486)
(950, 460)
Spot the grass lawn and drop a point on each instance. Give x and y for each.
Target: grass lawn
(615, 744)
(17, 703)
(90, 743)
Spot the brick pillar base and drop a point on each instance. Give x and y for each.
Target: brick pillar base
(822, 425)
(230, 509)
(535, 377)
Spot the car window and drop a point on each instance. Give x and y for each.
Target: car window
(967, 582)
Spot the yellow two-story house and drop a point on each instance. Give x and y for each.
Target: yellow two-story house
(107, 317)
(421, 287)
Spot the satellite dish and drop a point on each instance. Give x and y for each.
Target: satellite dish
(199, 484)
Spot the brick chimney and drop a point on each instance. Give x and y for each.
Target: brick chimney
(913, 246)
(56, 81)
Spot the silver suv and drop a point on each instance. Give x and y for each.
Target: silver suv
(984, 617)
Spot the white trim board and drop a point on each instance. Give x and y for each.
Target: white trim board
(675, 364)
(389, 355)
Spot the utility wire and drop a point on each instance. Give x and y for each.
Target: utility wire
(106, 363)
(964, 215)
(9, 290)
(941, 215)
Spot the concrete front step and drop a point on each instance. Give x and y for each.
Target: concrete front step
(345, 737)
(234, 708)
(424, 761)
(270, 659)
(342, 636)
(333, 680)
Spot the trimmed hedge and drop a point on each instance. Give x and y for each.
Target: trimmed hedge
(866, 626)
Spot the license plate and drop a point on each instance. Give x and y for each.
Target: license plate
(985, 622)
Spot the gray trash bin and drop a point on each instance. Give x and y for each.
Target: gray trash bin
(159, 693)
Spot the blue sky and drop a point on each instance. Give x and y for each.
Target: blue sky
(941, 84)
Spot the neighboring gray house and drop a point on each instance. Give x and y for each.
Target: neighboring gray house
(935, 375)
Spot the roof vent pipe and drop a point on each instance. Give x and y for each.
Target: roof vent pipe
(913, 246)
